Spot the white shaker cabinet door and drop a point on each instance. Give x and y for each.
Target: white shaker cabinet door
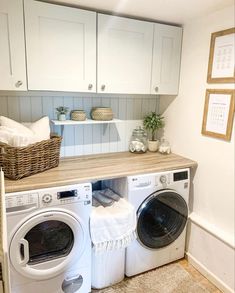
(124, 55)
(61, 47)
(166, 59)
(12, 48)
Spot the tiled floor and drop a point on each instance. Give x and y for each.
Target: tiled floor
(178, 277)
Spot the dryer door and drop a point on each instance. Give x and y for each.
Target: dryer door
(161, 219)
(46, 244)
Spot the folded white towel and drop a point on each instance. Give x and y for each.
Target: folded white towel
(13, 138)
(18, 135)
(112, 227)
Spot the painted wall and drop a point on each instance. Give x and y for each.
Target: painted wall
(88, 139)
(213, 197)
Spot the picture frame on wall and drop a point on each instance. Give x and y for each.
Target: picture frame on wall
(222, 58)
(218, 113)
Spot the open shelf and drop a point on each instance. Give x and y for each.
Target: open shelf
(87, 121)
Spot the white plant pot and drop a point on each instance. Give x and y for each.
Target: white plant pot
(153, 145)
(61, 117)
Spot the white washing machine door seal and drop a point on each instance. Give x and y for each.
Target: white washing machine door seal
(20, 250)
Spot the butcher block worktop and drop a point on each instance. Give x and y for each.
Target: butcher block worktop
(97, 167)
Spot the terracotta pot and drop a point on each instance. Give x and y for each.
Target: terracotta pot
(153, 145)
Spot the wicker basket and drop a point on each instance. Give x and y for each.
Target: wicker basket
(78, 115)
(102, 114)
(18, 162)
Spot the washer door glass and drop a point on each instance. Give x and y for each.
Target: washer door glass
(161, 219)
(47, 243)
(48, 240)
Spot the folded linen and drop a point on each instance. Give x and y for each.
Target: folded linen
(113, 227)
(110, 194)
(18, 135)
(103, 200)
(13, 138)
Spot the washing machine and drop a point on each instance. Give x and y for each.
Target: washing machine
(48, 238)
(161, 204)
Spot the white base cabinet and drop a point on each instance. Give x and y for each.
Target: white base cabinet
(124, 55)
(166, 59)
(61, 47)
(12, 48)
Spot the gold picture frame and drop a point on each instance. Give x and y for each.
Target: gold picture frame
(218, 113)
(221, 59)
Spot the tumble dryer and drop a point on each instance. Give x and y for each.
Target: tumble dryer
(49, 244)
(161, 204)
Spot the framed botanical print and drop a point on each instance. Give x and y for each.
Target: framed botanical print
(218, 113)
(222, 57)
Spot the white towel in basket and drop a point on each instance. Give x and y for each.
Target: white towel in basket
(112, 227)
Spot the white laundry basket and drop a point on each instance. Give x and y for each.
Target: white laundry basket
(107, 268)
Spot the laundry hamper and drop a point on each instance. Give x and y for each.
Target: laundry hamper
(107, 268)
(19, 162)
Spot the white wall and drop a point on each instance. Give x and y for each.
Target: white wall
(213, 196)
(82, 140)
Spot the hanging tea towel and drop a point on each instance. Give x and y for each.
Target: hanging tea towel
(112, 227)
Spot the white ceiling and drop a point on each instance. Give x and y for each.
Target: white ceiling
(169, 11)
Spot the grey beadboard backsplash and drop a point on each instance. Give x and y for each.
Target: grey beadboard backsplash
(84, 139)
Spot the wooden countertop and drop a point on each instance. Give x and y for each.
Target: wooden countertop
(97, 167)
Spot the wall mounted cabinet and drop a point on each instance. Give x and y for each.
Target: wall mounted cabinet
(61, 47)
(124, 55)
(133, 56)
(12, 48)
(166, 59)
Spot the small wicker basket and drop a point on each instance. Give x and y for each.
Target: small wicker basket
(102, 114)
(78, 115)
(19, 162)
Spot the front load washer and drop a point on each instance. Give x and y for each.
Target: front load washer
(48, 237)
(161, 204)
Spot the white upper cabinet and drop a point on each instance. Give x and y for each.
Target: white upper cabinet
(166, 59)
(61, 47)
(124, 55)
(12, 49)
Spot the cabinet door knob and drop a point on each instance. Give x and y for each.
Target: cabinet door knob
(18, 83)
(103, 87)
(90, 86)
(156, 89)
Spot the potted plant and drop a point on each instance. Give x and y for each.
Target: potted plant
(153, 122)
(61, 112)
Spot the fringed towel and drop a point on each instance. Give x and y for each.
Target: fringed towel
(112, 227)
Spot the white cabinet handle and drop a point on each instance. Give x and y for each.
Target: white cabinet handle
(90, 86)
(18, 83)
(156, 89)
(103, 87)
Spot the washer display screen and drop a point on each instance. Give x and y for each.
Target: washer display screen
(161, 219)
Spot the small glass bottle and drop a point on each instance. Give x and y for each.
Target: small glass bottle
(164, 147)
(138, 143)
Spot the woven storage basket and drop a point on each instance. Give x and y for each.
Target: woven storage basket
(18, 162)
(103, 114)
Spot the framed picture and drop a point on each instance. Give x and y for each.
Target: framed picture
(218, 113)
(221, 60)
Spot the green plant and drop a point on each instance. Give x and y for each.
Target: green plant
(62, 110)
(153, 122)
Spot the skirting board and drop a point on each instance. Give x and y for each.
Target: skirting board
(209, 275)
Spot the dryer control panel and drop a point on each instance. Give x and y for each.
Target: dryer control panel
(27, 201)
(65, 195)
(21, 202)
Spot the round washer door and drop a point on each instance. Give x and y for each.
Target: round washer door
(46, 244)
(161, 219)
